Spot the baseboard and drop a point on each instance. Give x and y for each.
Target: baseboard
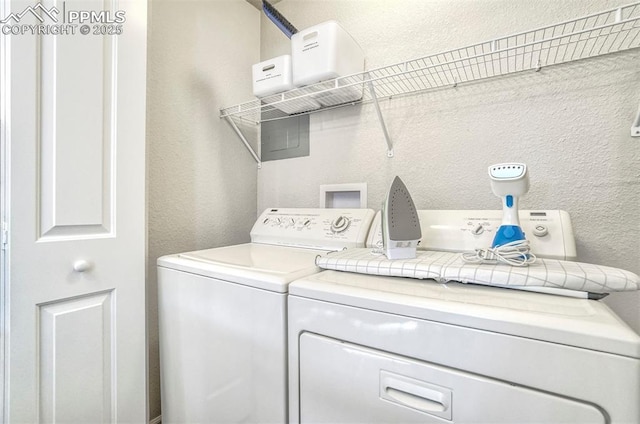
(156, 420)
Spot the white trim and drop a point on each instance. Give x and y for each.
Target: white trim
(156, 420)
(5, 93)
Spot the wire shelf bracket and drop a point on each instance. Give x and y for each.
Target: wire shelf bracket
(244, 140)
(598, 34)
(381, 119)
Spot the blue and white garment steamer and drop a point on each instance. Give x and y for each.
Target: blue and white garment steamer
(509, 181)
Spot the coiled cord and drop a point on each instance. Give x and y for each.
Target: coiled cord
(515, 253)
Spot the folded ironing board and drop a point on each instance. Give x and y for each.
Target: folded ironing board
(449, 266)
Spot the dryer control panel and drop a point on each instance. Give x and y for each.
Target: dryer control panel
(327, 229)
(549, 231)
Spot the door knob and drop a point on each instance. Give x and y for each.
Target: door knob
(81, 265)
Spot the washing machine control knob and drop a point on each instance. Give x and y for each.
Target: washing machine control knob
(340, 224)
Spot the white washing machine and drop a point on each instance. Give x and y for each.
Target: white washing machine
(223, 315)
(374, 349)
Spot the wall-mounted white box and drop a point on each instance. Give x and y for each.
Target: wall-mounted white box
(346, 196)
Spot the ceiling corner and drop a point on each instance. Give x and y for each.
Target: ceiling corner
(258, 3)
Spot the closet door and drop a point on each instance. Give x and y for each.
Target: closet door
(75, 305)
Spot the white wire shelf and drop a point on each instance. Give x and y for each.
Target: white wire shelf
(594, 35)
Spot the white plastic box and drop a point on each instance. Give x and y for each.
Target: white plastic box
(274, 76)
(326, 51)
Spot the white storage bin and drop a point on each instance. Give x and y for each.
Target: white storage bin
(326, 51)
(274, 76)
(323, 52)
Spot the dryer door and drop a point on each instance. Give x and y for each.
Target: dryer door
(346, 383)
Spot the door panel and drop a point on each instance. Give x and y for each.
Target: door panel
(344, 383)
(77, 334)
(76, 134)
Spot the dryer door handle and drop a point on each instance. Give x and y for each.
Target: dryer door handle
(417, 401)
(415, 394)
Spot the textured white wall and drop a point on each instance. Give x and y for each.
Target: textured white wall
(201, 181)
(569, 123)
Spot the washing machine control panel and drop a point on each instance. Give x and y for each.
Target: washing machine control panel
(327, 229)
(548, 231)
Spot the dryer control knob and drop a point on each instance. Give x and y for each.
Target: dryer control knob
(477, 230)
(540, 231)
(340, 224)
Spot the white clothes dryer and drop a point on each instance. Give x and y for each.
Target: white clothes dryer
(223, 315)
(376, 349)
(372, 349)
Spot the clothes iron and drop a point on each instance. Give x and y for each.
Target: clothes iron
(401, 231)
